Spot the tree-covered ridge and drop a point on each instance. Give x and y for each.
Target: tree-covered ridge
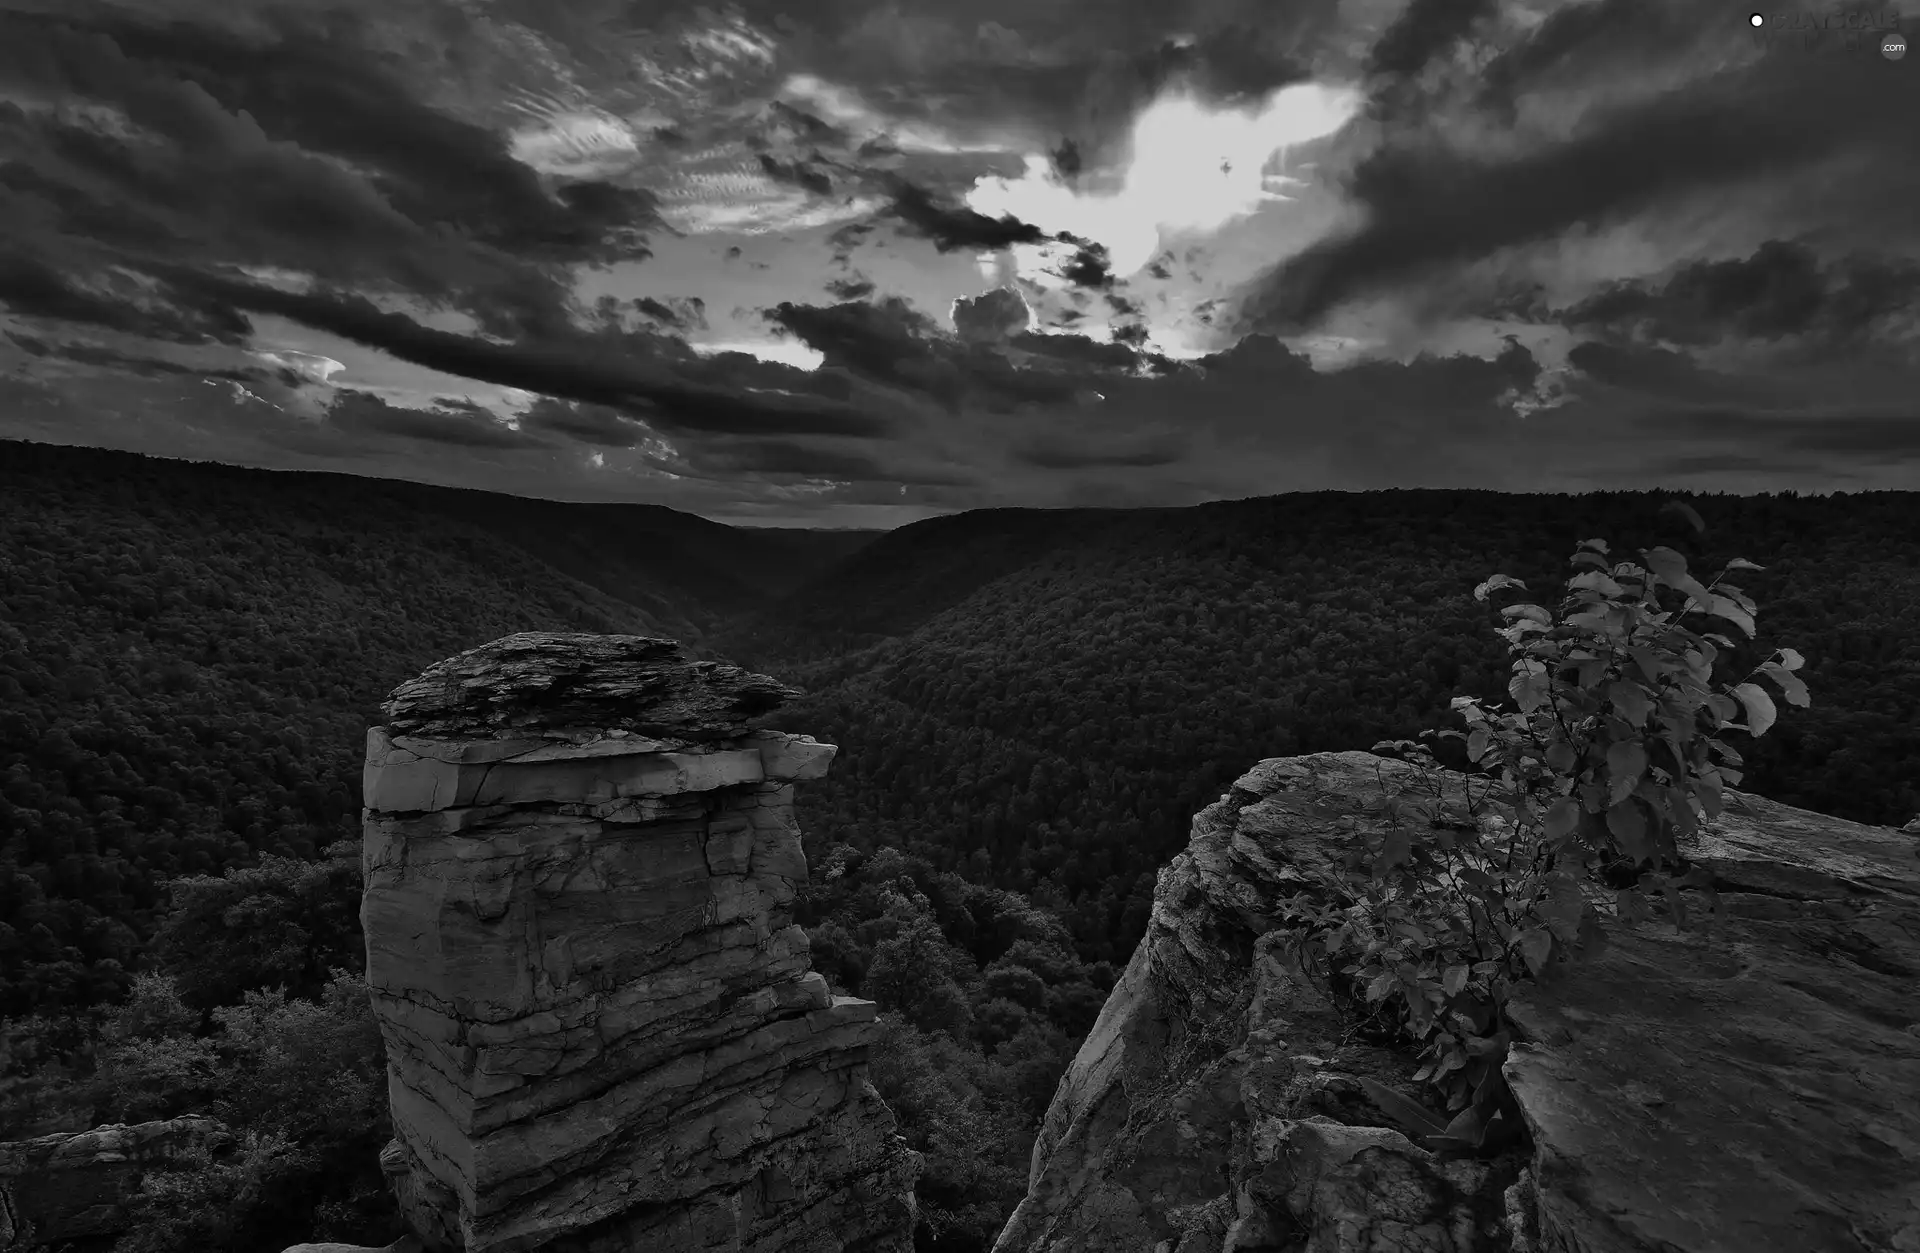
(1030, 706)
(1061, 722)
(681, 570)
(190, 656)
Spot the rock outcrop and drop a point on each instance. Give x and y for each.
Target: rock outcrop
(71, 1190)
(601, 1028)
(1752, 1092)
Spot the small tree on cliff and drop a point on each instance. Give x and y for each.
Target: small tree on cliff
(1610, 755)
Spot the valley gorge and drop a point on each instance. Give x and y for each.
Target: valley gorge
(603, 1032)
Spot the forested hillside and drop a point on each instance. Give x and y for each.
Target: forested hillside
(190, 655)
(1030, 705)
(1043, 698)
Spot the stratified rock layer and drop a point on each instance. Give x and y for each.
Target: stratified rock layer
(1756, 1092)
(602, 1032)
(74, 1188)
(548, 683)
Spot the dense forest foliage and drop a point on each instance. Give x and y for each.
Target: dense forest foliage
(1041, 699)
(190, 656)
(1030, 705)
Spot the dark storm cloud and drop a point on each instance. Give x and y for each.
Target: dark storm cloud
(31, 287)
(294, 146)
(798, 174)
(891, 343)
(1231, 63)
(1424, 29)
(1372, 397)
(1065, 159)
(1784, 289)
(991, 317)
(858, 287)
(577, 371)
(356, 412)
(1073, 84)
(320, 89)
(951, 228)
(1077, 349)
(1878, 435)
(1663, 372)
(1263, 358)
(886, 340)
(676, 312)
(1428, 206)
(1059, 455)
(154, 367)
(1581, 37)
(807, 127)
(1088, 267)
(598, 425)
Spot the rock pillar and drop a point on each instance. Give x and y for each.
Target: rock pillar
(602, 1033)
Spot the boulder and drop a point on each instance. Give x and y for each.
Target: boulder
(1757, 1091)
(74, 1187)
(601, 1027)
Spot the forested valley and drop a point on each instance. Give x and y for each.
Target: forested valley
(1029, 705)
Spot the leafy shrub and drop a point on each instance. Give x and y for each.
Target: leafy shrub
(305, 1079)
(1611, 753)
(283, 923)
(1017, 983)
(975, 1150)
(204, 1201)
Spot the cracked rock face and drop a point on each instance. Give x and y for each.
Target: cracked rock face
(601, 1028)
(1753, 1093)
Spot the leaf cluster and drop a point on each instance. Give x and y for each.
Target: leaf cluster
(1609, 757)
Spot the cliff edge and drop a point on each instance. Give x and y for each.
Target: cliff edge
(602, 1033)
(1752, 1092)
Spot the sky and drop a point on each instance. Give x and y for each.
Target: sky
(847, 263)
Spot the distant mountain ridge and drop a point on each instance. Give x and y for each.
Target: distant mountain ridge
(685, 572)
(1052, 693)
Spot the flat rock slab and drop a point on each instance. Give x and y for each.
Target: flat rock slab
(537, 683)
(1750, 1092)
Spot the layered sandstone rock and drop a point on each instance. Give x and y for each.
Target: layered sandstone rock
(601, 1027)
(73, 1189)
(1758, 1092)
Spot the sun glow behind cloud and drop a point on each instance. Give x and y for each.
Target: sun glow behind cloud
(785, 351)
(1193, 169)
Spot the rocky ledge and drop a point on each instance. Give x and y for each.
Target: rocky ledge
(72, 1190)
(602, 1032)
(1752, 1092)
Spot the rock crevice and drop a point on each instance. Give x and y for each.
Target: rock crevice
(601, 1028)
